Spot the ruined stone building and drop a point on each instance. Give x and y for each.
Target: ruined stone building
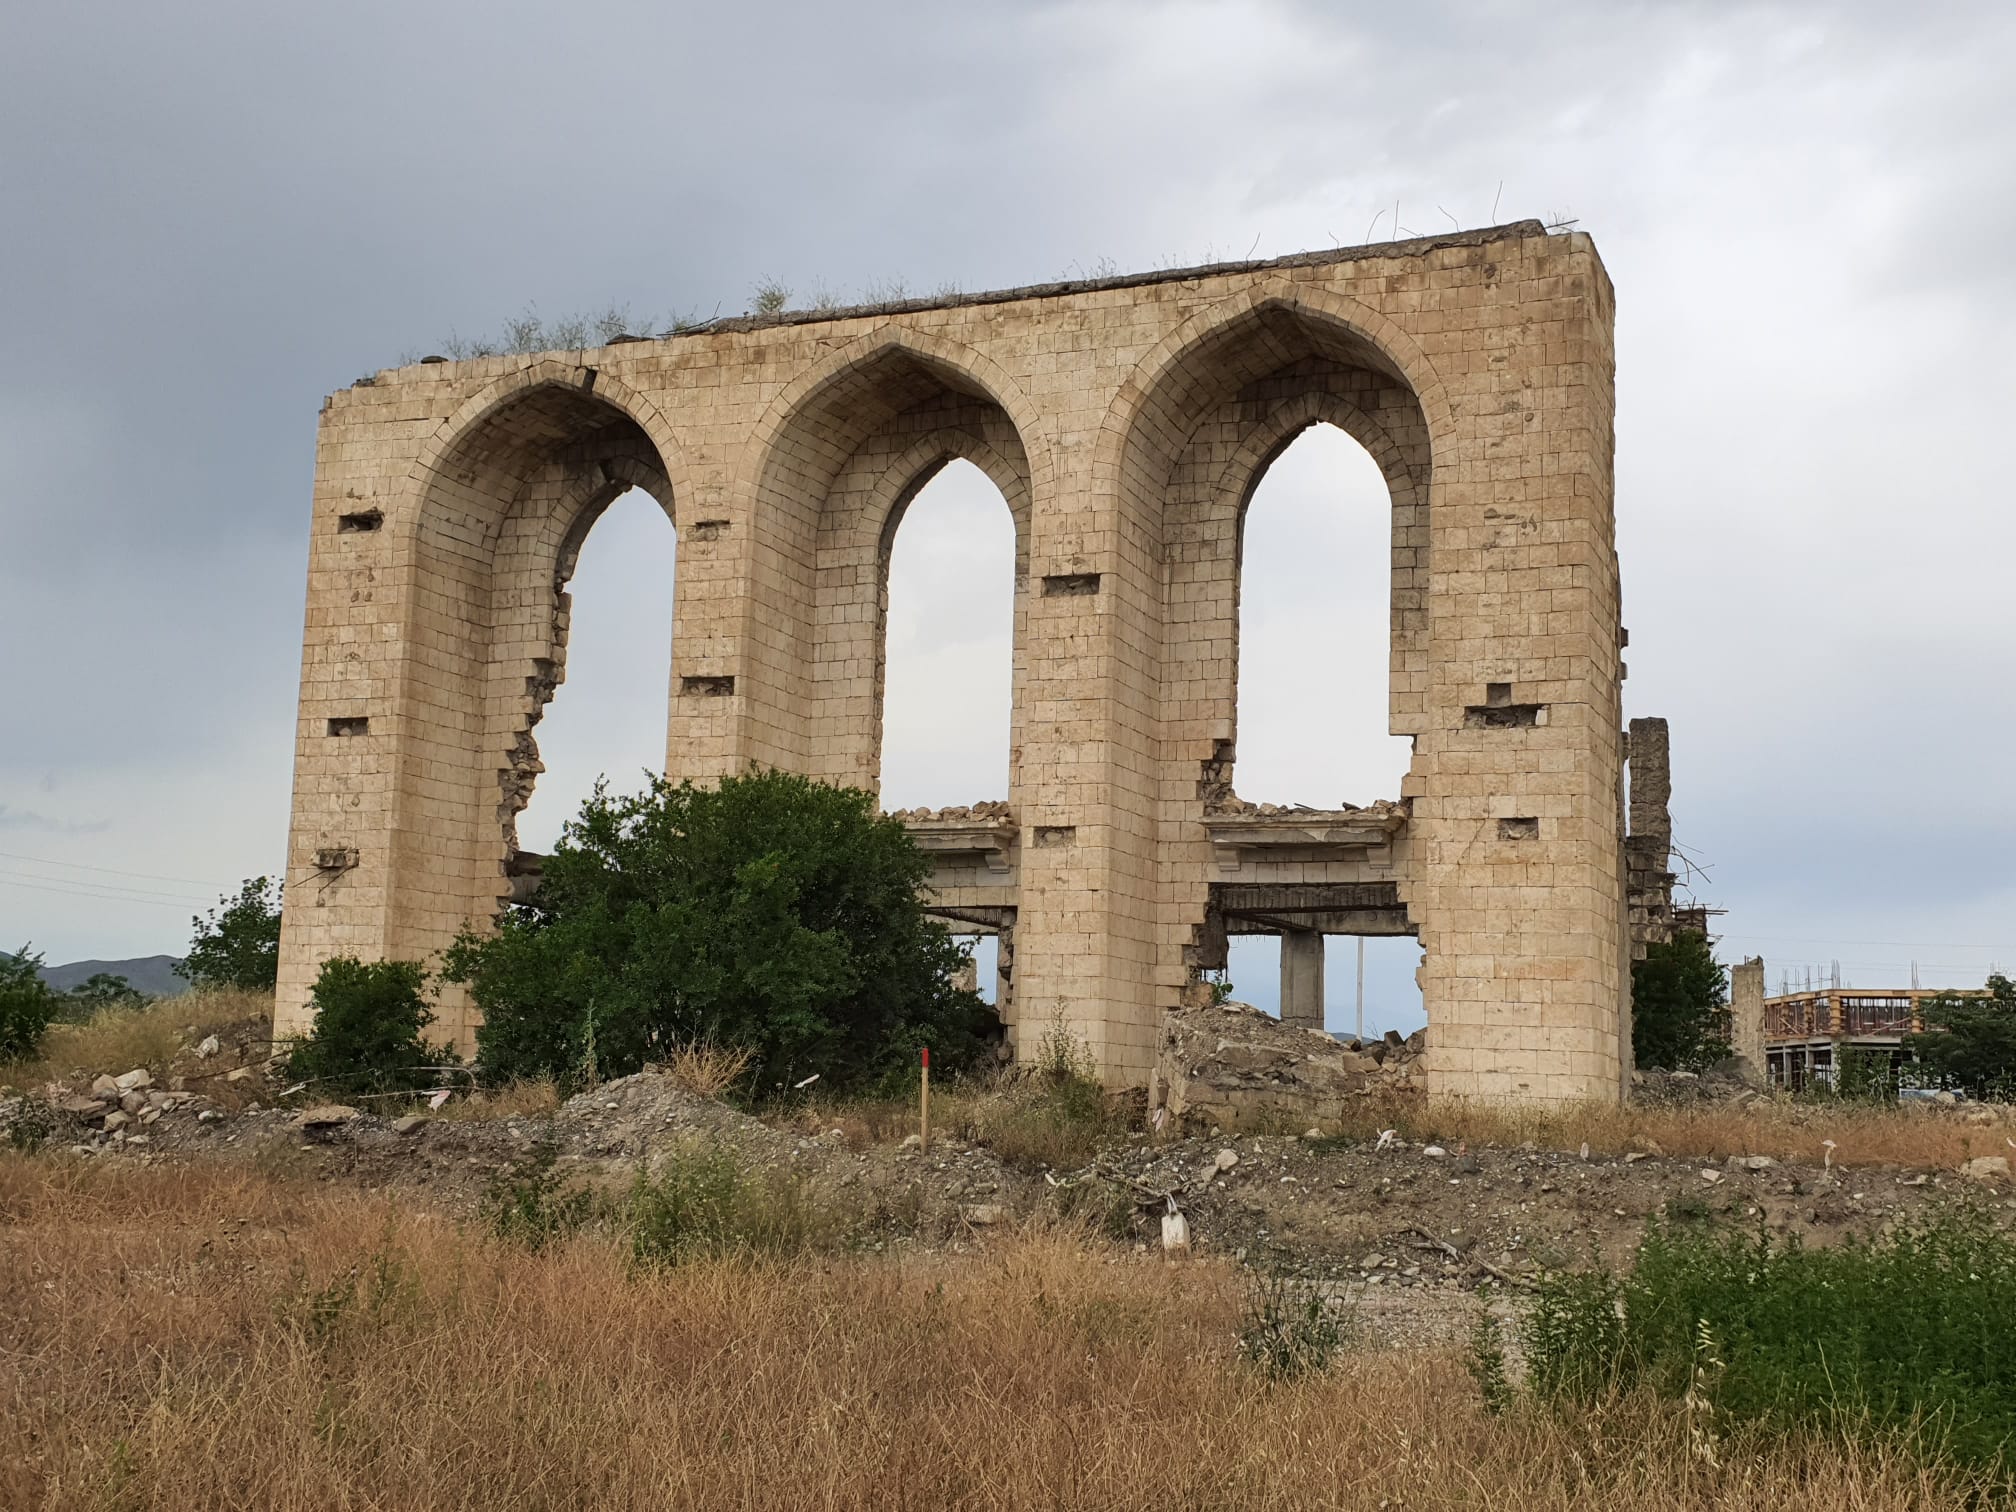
(1126, 422)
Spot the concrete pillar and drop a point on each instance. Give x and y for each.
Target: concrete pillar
(1746, 1013)
(1302, 978)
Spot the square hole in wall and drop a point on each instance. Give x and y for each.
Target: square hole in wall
(350, 724)
(362, 520)
(1497, 695)
(706, 687)
(1504, 716)
(1070, 584)
(1524, 828)
(708, 530)
(1056, 834)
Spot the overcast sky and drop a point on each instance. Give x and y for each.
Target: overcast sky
(215, 214)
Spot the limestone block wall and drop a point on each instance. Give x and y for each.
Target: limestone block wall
(1126, 422)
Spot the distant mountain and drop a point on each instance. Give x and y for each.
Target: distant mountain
(153, 975)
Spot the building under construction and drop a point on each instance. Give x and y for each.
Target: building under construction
(1807, 1033)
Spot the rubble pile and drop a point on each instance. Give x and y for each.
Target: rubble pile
(1230, 1066)
(993, 809)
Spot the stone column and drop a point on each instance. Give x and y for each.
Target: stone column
(1302, 979)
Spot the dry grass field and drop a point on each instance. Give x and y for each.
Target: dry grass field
(203, 1336)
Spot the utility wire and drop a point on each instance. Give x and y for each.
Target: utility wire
(109, 871)
(155, 900)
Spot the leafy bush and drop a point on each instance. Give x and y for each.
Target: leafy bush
(771, 913)
(27, 1005)
(1680, 1005)
(237, 944)
(1902, 1337)
(1970, 1042)
(366, 1036)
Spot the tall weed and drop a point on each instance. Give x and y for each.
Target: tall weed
(1903, 1338)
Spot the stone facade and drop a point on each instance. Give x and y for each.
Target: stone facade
(1126, 422)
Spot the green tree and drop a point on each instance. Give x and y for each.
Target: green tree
(237, 944)
(770, 912)
(104, 990)
(1680, 1005)
(367, 1032)
(1970, 1042)
(27, 1004)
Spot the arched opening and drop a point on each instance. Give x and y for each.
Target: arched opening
(948, 645)
(607, 717)
(882, 483)
(507, 503)
(1315, 624)
(1282, 460)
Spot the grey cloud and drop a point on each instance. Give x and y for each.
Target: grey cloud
(219, 212)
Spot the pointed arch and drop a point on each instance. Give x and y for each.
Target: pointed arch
(842, 446)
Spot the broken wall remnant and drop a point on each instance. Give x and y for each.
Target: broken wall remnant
(1746, 1014)
(1232, 1067)
(1648, 845)
(1125, 422)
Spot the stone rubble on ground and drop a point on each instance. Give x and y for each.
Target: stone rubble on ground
(1230, 1066)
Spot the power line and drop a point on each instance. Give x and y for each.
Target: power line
(95, 886)
(44, 884)
(110, 871)
(1737, 934)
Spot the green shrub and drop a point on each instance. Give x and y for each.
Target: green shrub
(770, 913)
(27, 1005)
(529, 1204)
(99, 991)
(1486, 1361)
(1054, 1114)
(366, 1036)
(237, 944)
(1903, 1337)
(1288, 1329)
(698, 1202)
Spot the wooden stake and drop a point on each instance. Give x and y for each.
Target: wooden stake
(924, 1103)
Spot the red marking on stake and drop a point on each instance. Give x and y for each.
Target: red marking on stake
(927, 1055)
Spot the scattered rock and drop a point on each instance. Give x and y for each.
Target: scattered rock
(104, 1086)
(1433, 1152)
(208, 1047)
(242, 1074)
(116, 1120)
(133, 1102)
(1987, 1168)
(983, 1214)
(134, 1080)
(1711, 1176)
(81, 1107)
(1632, 1157)
(410, 1124)
(1225, 1161)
